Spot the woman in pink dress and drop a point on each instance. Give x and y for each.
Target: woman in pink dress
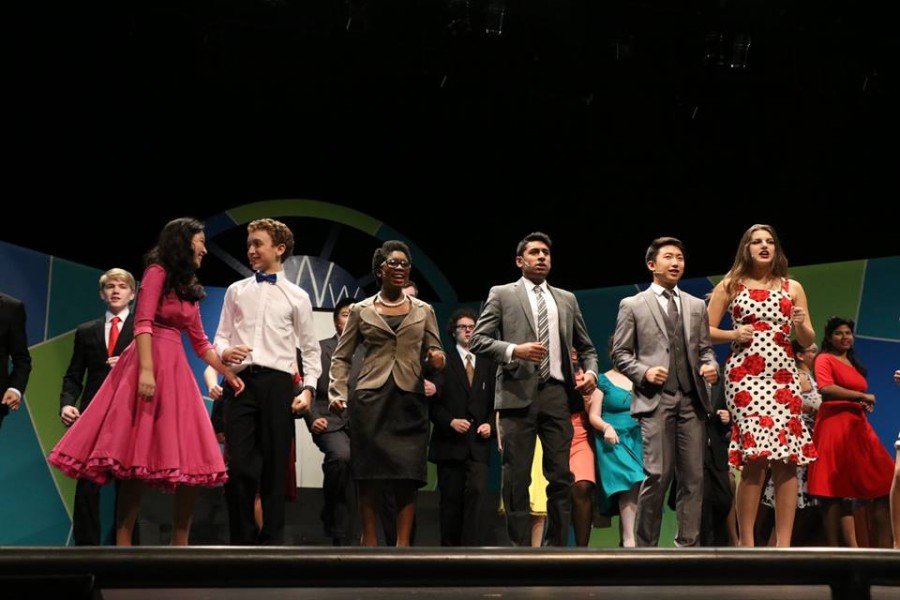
(853, 463)
(762, 385)
(148, 424)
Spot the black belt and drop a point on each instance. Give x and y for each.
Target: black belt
(548, 383)
(259, 369)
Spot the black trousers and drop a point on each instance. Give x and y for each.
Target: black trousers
(86, 514)
(549, 418)
(717, 501)
(387, 514)
(462, 486)
(259, 427)
(87, 527)
(338, 487)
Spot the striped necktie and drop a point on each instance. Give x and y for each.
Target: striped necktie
(543, 332)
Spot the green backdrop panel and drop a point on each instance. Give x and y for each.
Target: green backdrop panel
(879, 311)
(831, 289)
(43, 400)
(74, 296)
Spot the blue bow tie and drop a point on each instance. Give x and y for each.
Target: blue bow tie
(271, 277)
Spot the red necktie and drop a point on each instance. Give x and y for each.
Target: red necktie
(113, 334)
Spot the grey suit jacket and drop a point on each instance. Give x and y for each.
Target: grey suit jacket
(641, 341)
(507, 319)
(401, 354)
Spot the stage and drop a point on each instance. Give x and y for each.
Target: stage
(501, 573)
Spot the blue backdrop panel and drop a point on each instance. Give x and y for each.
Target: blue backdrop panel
(24, 274)
(879, 310)
(881, 358)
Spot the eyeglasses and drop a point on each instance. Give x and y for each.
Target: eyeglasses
(466, 327)
(398, 263)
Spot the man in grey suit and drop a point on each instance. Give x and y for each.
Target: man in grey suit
(662, 344)
(528, 328)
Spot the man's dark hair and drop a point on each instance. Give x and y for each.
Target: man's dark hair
(534, 236)
(658, 243)
(345, 301)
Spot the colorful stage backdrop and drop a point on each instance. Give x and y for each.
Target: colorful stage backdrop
(59, 295)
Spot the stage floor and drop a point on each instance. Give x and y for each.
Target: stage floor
(354, 573)
(821, 592)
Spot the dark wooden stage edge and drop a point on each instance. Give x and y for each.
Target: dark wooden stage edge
(86, 572)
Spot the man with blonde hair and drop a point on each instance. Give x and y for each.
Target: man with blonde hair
(97, 346)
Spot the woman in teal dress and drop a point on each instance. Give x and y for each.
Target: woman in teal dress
(619, 450)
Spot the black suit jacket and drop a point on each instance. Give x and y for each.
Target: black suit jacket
(455, 399)
(13, 347)
(89, 358)
(319, 406)
(718, 432)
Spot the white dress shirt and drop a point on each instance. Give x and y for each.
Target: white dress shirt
(123, 314)
(463, 353)
(273, 320)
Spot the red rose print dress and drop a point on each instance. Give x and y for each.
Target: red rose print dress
(762, 387)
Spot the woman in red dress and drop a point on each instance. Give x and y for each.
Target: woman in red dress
(853, 464)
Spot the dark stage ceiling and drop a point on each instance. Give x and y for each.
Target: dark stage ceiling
(603, 123)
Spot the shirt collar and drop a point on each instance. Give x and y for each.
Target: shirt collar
(123, 314)
(658, 289)
(529, 285)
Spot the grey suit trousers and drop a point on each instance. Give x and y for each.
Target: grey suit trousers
(673, 436)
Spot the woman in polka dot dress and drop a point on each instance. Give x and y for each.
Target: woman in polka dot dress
(761, 381)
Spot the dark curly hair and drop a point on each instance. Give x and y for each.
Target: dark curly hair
(174, 253)
(830, 327)
(458, 314)
(383, 252)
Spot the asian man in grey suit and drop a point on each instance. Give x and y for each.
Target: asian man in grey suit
(528, 327)
(662, 344)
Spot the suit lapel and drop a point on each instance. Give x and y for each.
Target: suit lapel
(126, 334)
(370, 315)
(416, 314)
(459, 369)
(562, 317)
(483, 371)
(99, 333)
(655, 310)
(522, 295)
(686, 316)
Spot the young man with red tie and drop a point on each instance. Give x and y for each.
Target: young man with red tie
(97, 347)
